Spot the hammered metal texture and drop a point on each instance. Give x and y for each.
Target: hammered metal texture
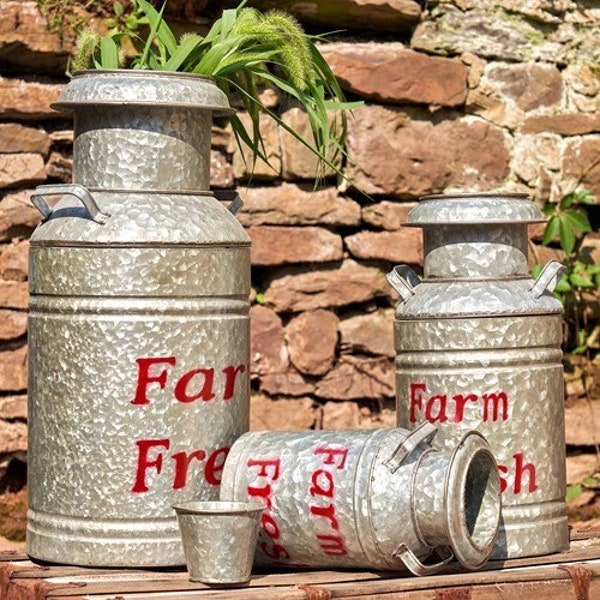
(474, 208)
(140, 88)
(332, 501)
(85, 428)
(435, 299)
(219, 539)
(139, 336)
(142, 218)
(485, 355)
(110, 148)
(475, 251)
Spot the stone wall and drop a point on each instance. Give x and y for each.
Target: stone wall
(460, 95)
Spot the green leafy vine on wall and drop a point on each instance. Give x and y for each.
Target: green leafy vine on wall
(568, 225)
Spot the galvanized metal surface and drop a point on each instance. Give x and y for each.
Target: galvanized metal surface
(481, 251)
(139, 355)
(141, 88)
(142, 130)
(468, 209)
(366, 498)
(219, 539)
(484, 353)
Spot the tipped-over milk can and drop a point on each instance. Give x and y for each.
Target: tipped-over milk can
(382, 499)
(138, 329)
(478, 346)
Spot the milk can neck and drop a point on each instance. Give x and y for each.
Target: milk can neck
(142, 148)
(461, 506)
(475, 251)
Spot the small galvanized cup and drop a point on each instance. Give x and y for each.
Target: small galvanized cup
(219, 539)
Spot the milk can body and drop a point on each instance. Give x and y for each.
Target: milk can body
(478, 347)
(379, 499)
(138, 329)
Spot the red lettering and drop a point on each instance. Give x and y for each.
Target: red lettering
(268, 468)
(264, 465)
(276, 552)
(144, 378)
(323, 485)
(494, 400)
(332, 454)
(461, 400)
(214, 466)
(502, 470)
(269, 526)
(493, 405)
(317, 488)
(520, 470)
(263, 492)
(206, 391)
(327, 512)
(182, 461)
(416, 391)
(431, 405)
(144, 462)
(230, 375)
(333, 545)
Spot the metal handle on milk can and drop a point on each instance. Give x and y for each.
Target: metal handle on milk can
(548, 279)
(415, 566)
(236, 202)
(404, 280)
(421, 434)
(76, 190)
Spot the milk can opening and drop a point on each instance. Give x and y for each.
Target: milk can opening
(473, 493)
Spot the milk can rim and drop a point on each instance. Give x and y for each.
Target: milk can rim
(466, 195)
(68, 100)
(466, 549)
(217, 507)
(474, 208)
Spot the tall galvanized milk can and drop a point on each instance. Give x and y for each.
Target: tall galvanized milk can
(138, 327)
(382, 499)
(478, 347)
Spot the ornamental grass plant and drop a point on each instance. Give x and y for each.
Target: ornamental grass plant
(244, 51)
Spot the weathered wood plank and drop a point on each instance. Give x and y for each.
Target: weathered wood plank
(90, 586)
(138, 581)
(22, 579)
(7, 555)
(516, 590)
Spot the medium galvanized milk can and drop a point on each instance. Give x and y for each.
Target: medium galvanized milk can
(478, 347)
(138, 327)
(382, 499)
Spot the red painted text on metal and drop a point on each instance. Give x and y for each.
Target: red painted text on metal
(157, 379)
(517, 477)
(439, 408)
(150, 457)
(267, 471)
(192, 385)
(322, 492)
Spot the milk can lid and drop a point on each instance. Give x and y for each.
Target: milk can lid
(477, 208)
(121, 87)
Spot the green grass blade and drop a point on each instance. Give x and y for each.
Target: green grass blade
(188, 44)
(158, 26)
(109, 53)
